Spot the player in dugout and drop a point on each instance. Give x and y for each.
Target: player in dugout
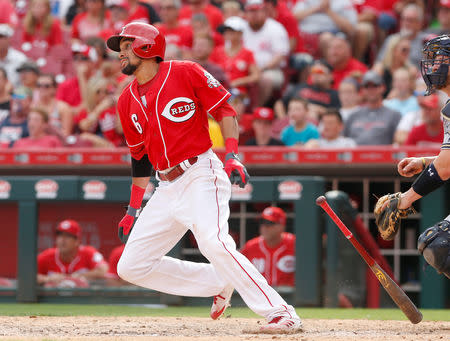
(273, 252)
(70, 264)
(434, 242)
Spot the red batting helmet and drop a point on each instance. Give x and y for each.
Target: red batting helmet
(148, 42)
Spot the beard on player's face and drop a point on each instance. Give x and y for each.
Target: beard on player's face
(130, 68)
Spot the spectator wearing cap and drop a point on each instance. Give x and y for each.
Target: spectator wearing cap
(214, 15)
(29, 73)
(5, 95)
(269, 42)
(316, 18)
(94, 21)
(443, 19)
(349, 97)
(411, 23)
(331, 127)
(373, 124)
(40, 28)
(431, 132)
(273, 251)
(262, 127)
(73, 90)
(299, 131)
(69, 261)
(237, 61)
(170, 26)
(14, 126)
(10, 58)
(401, 97)
(339, 55)
(60, 116)
(37, 124)
(396, 57)
(317, 91)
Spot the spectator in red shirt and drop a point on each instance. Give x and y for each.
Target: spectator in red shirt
(38, 138)
(170, 27)
(240, 102)
(98, 122)
(70, 263)
(214, 15)
(95, 21)
(339, 56)
(273, 252)
(71, 90)
(431, 132)
(7, 13)
(40, 28)
(237, 61)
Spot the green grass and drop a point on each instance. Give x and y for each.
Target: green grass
(124, 310)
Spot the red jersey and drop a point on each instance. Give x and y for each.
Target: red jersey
(353, 67)
(179, 35)
(87, 258)
(140, 14)
(54, 37)
(236, 66)
(287, 19)
(277, 265)
(214, 15)
(419, 136)
(69, 92)
(113, 259)
(106, 124)
(170, 121)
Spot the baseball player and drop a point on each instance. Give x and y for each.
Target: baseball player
(164, 114)
(69, 260)
(273, 252)
(433, 243)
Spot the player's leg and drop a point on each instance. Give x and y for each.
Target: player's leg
(209, 194)
(155, 233)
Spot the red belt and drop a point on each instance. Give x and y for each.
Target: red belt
(176, 171)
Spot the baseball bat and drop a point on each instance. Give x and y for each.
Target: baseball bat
(396, 293)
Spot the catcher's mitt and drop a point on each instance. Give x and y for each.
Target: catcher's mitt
(388, 219)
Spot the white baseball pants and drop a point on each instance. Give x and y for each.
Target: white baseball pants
(197, 200)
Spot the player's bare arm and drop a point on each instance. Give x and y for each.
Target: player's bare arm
(229, 127)
(97, 273)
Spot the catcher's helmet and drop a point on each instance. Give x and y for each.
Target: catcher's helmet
(435, 52)
(148, 42)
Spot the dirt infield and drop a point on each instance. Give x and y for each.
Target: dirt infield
(226, 329)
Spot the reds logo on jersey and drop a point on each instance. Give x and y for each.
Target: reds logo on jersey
(179, 109)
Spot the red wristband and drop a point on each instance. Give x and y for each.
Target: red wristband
(231, 145)
(137, 194)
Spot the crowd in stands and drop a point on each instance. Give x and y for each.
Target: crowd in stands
(304, 73)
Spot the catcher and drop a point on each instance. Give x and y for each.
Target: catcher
(434, 242)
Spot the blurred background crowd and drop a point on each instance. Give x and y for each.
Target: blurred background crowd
(307, 73)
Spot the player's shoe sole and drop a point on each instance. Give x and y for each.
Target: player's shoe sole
(221, 302)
